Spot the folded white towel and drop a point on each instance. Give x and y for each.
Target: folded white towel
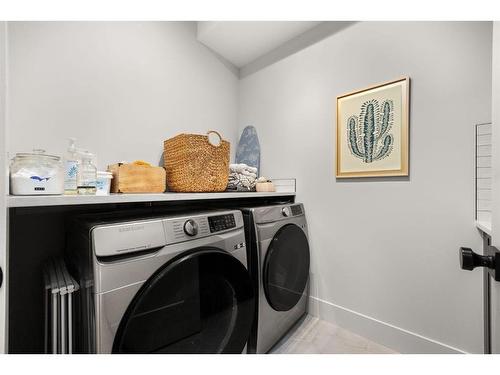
(247, 174)
(240, 168)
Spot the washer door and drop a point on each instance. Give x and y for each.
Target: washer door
(286, 267)
(200, 302)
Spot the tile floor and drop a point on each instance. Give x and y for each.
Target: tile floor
(314, 336)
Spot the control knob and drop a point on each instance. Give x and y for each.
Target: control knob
(191, 228)
(285, 211)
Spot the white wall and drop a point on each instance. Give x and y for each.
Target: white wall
(120, 88)
(3, 175)
(495, 119)
(386, 250)
(495, 234)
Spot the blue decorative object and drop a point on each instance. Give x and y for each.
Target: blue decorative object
(72, 172)
(41, 179)
(368, 137)
(248, 150)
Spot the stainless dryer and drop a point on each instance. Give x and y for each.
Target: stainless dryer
(279, 259)
(175, 284)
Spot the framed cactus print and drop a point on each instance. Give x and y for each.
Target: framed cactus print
(372, 131)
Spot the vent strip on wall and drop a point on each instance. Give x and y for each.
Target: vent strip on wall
(483, 172)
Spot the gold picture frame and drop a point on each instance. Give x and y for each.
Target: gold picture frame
(373, 131)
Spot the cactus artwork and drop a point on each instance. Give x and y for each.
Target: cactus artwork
(372, 131)
(368, 135)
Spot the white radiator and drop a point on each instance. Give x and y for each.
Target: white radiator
(60, 288)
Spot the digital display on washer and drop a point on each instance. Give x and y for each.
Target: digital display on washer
(221, 222)
(296, 210)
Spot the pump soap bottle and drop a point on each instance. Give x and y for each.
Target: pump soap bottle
(71, 169)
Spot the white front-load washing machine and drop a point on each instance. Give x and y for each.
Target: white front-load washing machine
(279, 259)
(172, 284)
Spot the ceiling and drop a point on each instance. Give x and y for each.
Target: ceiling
(241, 42)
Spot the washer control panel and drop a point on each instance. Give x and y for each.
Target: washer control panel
(221, 222)
(180, 229)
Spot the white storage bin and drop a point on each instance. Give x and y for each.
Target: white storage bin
(103, 183)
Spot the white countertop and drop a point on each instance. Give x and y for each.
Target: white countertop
(484, 226)
(63, 200)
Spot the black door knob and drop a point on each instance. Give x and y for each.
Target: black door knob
(470, 260)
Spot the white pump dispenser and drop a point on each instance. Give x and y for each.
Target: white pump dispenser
(71, 169)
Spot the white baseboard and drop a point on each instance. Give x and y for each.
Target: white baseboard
(395, 338)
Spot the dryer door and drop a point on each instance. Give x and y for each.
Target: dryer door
(286, 267)
(200, 302)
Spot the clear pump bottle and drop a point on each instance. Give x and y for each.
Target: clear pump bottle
(87, 174)
(71, 169)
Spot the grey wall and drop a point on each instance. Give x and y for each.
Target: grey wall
(386, 249)
(121, 88)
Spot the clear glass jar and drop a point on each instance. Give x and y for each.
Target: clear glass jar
(36, 173)
(87, 175)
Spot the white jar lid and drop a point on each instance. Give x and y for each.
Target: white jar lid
(37, 154)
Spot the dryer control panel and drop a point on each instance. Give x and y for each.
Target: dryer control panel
(296, 209)
(271, 214)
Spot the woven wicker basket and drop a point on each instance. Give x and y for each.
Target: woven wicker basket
(193, 164)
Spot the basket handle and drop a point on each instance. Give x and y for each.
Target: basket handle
(218, 135)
